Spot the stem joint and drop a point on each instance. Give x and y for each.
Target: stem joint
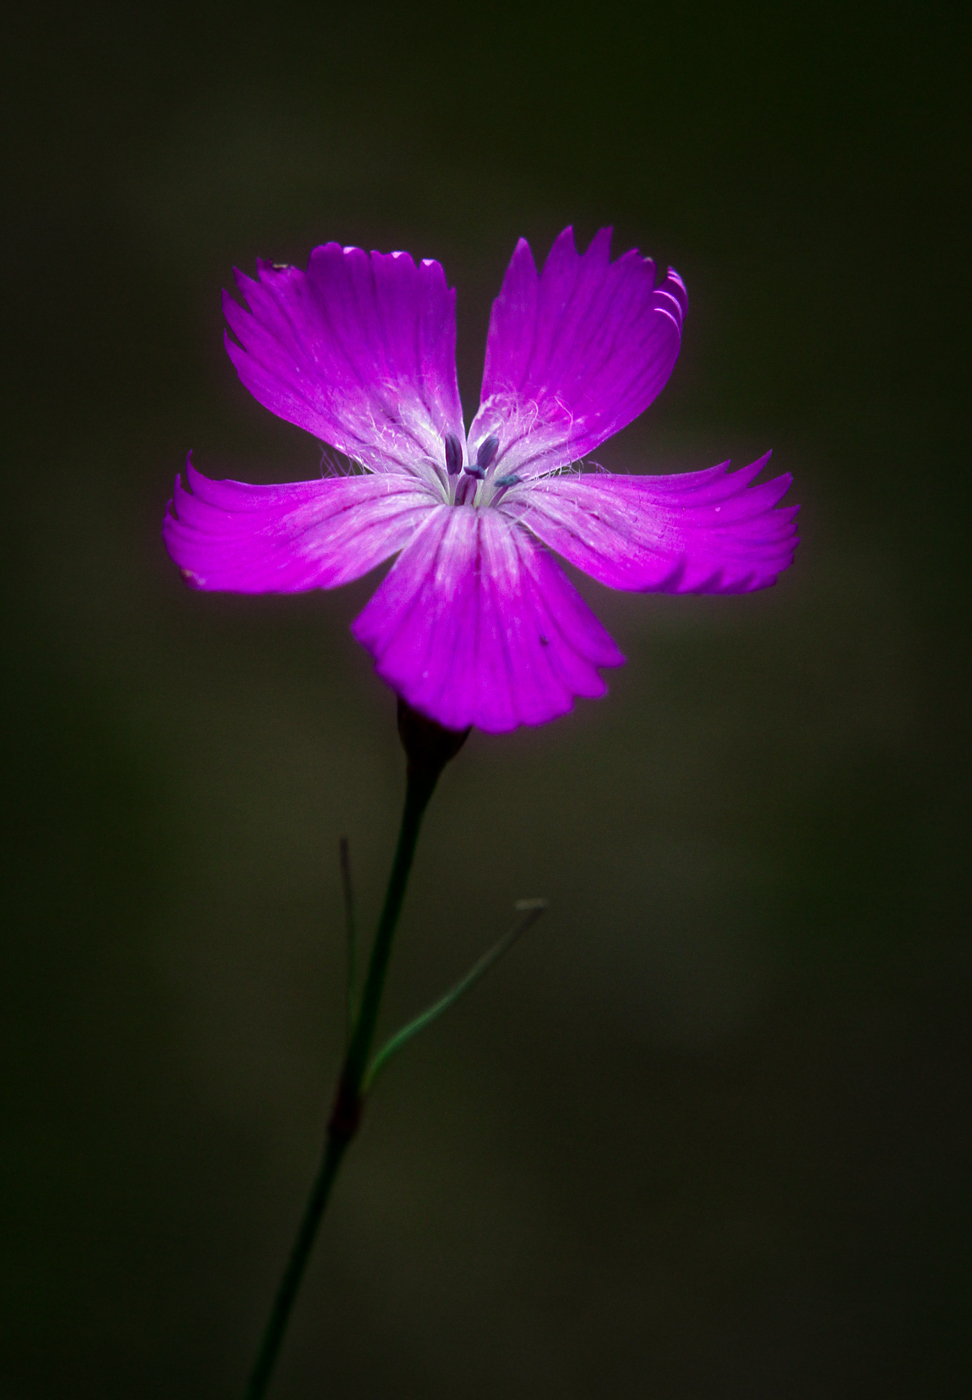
(346, 1114)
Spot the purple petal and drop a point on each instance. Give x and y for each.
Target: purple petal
(358, 350)
(576, 353)
(698, 532)
(228, 536)
(475, 624)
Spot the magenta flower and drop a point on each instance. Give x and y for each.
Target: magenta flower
(475, 622)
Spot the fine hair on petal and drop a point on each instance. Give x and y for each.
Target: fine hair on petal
(334, 463)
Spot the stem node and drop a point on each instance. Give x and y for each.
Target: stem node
(346, 1114)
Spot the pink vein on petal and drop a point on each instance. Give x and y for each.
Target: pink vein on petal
(475, 624)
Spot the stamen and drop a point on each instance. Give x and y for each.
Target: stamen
(465, 490)
(501, 485)
(453, 454)
(478, 472)
(488, 449)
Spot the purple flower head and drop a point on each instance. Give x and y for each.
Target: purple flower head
(475, 622)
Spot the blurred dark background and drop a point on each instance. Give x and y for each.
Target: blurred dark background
(706, 1133)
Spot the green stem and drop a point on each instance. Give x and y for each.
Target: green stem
(293, 1274)
(420, 786)
(346, 1113)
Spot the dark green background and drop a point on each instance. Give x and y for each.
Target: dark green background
(706, 1133)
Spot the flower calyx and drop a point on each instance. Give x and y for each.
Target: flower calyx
(428, 746)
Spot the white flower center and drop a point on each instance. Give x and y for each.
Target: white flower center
(474, 485)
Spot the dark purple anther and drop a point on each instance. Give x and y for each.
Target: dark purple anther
(502, 485)
(488, 449)
(453, 451)
(465, 490)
